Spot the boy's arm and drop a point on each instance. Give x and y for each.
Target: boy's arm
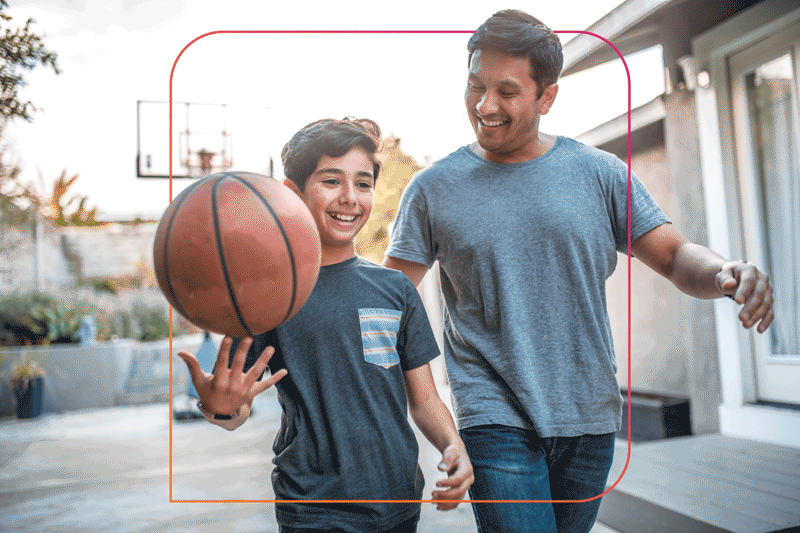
(434, 420)
(226, 395)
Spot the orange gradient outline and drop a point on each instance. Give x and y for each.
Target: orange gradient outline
(628, 458)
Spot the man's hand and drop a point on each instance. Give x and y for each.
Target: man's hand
(459, 477)
(227, 389)
(750, 287)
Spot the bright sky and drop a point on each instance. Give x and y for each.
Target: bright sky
(114, 53)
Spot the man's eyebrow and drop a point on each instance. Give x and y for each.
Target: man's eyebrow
(505, 83)
(510, 84)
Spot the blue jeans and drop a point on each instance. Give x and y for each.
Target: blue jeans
(516, 464)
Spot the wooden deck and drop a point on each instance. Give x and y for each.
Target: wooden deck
(705, 484)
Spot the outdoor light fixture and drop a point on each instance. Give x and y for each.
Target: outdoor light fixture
(704, 79)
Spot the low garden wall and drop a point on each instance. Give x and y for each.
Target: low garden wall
(100, 375)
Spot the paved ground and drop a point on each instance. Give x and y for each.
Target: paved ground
(107, 470)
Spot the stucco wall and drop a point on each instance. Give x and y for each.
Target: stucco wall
(658, 356)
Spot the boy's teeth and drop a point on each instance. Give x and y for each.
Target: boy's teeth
(343, 218)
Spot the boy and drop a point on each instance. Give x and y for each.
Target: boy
(357, 351)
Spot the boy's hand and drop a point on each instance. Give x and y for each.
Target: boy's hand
(227, 389)
(459, 477)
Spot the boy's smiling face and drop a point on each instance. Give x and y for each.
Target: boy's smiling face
(339, 194)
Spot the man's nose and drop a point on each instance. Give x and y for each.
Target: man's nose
(487, 104)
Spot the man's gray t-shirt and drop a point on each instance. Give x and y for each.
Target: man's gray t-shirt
(524, 251)
(345, 433)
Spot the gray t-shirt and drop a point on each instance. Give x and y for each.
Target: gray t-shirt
(524, 251)
(345, 433)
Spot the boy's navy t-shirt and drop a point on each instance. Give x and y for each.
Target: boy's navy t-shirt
(345, 433)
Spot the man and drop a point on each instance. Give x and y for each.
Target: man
(526, 228)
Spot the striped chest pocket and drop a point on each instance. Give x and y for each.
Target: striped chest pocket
(379, 329)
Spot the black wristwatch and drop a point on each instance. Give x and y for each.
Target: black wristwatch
(215, 416)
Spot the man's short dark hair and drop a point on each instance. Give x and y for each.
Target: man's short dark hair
(330, 137)
(518, 34)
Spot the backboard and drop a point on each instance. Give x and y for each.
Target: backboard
(201, 144)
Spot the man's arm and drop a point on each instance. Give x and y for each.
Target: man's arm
(414, 271)
(702, 273)
(434, 420)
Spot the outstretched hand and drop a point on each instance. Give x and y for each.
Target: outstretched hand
(459, 477)
(750, 288)
(225, 390)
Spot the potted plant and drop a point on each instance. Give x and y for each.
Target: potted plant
(27, 382)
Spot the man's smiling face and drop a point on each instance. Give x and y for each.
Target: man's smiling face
(503, 105)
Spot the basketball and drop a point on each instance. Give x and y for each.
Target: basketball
(237, 253)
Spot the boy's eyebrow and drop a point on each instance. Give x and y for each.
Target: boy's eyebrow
(339, 171)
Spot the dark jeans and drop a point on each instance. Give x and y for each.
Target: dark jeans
(516, 464)
(409, 526)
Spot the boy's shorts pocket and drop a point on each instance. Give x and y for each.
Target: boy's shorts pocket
(379, 329)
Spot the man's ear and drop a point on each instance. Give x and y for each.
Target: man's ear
(547, 99)
(293, 186)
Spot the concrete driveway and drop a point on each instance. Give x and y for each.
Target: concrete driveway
(107, 470)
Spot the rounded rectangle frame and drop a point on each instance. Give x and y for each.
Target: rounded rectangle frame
(627, 72)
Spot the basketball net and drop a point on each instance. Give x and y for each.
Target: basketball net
(203, 163)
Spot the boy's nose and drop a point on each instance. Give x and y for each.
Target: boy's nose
(348, 194)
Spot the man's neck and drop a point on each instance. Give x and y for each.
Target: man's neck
(544, 143)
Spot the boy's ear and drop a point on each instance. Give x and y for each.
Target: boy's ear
(292, 186)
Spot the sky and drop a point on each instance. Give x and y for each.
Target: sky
(115, 53)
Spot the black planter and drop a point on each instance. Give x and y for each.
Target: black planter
(655, 416)
(29, 398)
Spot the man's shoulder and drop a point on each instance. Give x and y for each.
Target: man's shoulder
(589, 155)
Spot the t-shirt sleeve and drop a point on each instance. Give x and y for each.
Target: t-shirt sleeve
(645, 212)
(416, 344)
(411, 237)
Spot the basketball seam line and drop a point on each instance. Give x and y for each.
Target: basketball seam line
(285, 240)
(218, 236)
(180, 199)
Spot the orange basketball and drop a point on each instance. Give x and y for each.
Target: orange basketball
(237, 253)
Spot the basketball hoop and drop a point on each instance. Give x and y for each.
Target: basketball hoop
(201, 143)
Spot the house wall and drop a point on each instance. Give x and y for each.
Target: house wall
(698, 332)
(658, 354)
(674, 347)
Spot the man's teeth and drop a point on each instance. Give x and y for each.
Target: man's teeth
(343, 218)
(492, 123)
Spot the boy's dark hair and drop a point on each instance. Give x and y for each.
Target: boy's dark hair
(330, 137)
(518, 34)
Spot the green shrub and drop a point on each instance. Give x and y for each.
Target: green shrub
(39, 318)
